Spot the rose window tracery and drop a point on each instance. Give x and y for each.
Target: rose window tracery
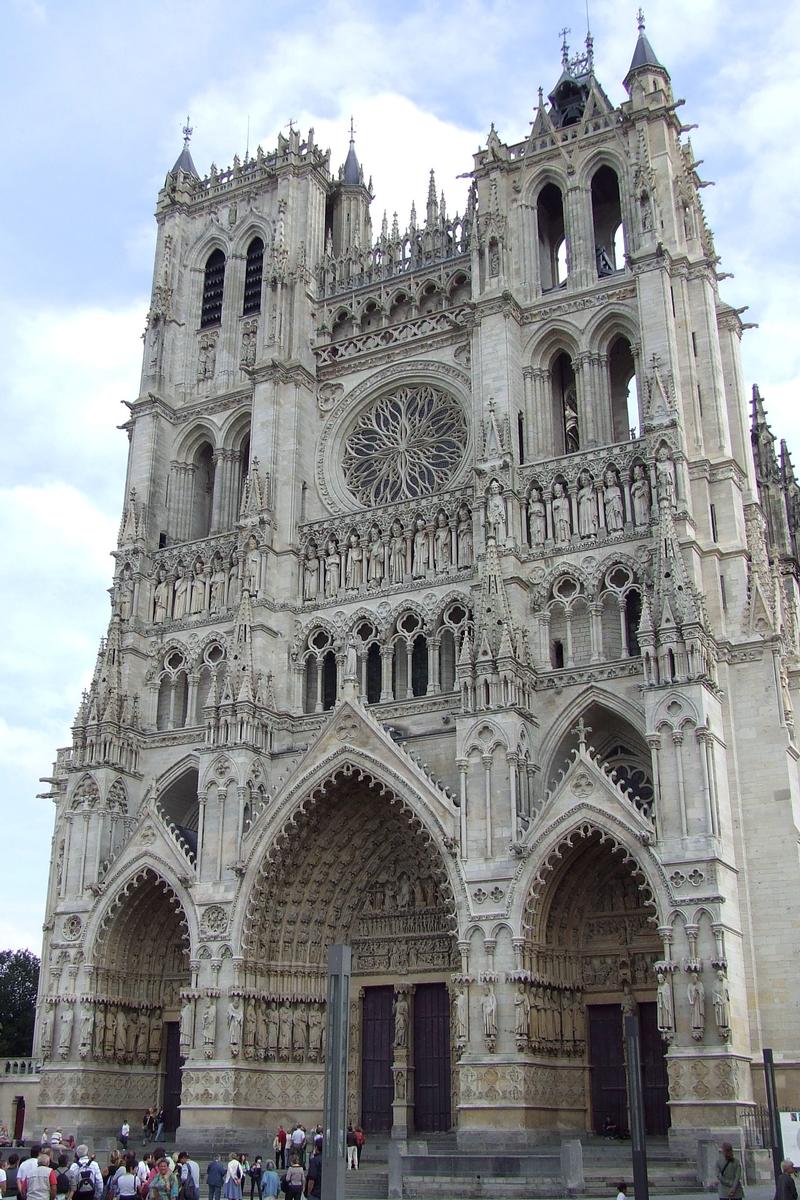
(408, 444)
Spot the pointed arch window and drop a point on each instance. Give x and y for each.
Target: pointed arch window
(213, 285)
(253, 275)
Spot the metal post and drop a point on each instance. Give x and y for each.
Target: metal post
(633, 1069)
(775, 1135)
(335, 1117)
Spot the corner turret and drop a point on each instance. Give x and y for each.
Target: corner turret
(646, 74)
(349, 222)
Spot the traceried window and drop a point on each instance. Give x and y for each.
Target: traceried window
(408, 444)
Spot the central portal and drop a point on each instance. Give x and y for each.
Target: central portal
(430, 1058)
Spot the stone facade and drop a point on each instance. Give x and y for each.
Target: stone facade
(454, 616)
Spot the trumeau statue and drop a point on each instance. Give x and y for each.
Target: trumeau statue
(489, 1013)
(235, 1019)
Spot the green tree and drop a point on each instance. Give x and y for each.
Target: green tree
(19, 980)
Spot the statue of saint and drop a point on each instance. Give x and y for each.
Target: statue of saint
(401, 1021)
(333, 562)
(522, 1012)
(665, 477)
(161, 597)
(537, 518)
(235, 1021)
(562, 517)
(696, 995)
(354, 571)
(209, 1027)
(311, 573)
(489, 1013)
(464, 536)
(421, 550)
(442, 552)
(587, 506)
(640, 494)
(375, 565)
(397, 553)
(664, 1014)
(612, 502)
(496, 518)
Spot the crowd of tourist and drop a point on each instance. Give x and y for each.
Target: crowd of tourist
(55, 1170)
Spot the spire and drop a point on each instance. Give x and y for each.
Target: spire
(644, 56)
(351, 175)
(184, 160)
(432, 212)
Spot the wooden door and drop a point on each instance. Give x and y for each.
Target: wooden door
(377, 1044)
(655, 1084)
(607, 1066)
(431, 1058)
(172, 1076)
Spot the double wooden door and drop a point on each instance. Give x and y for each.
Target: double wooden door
(609, 1091)
(431, 1058)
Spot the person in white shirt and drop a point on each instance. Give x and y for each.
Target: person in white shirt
(83, 1164)
(27, 1166)
(3, 1178)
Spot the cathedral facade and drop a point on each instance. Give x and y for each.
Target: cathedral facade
(455, 617)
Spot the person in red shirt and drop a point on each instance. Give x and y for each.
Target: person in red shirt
(279, 1146)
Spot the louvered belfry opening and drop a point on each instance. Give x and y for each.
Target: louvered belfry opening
(213, 285)
(253, 274)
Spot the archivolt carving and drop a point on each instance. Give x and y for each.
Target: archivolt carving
(360, 865)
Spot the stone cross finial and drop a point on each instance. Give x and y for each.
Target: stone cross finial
(352, 131)
(187, 133)
(582, 729)
(564, 47)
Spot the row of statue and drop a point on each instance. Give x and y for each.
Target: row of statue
(107, 1032)
(388, 558)
(206, 587)
(696, 999)
(594, 507)
(257, 1029)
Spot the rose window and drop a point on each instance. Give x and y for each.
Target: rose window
(408, 444)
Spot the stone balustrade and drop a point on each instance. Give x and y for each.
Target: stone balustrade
(20, 1066)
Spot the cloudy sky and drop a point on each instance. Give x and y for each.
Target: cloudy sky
(94, 96)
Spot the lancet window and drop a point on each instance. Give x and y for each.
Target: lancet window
(607, 222)
(320, 673)
(213, 287)
(552, 238)
(253, 275)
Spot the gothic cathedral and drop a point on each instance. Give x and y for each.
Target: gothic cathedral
(455, 617)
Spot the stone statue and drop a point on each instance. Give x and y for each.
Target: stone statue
(640, 494)
(375, 565)
(284, 1032)
(161, 597)
(628, 1001)
(612, 502)
(121, 1035)
(66, 1017)
(665, 1018)
(182, 584)
(156, 1031)
(562, 518)
(522, 1013)
(261, 1028)
(696, 995)
(722, 1006)
(587, 506)
(249, 1028)
(464, 536)
(86, 1032)
(233, 583)
(354, 572)
(442, 552)
(332, 565)
(252, 567)
(272, 1032)
(186, 1026)
(460, 1014)
(219, 579)
(489, 1013)
(665, 477)
(142, 1032)
(314, 1033)
(125, 593)
(537, 518)
(421, 550)
(350, 661)
(401, 1021)
(311, 573)
(235, 1021)
(397, 553)
(299, 1033)
(496, 519)
(46, 1031)
(198, 600)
